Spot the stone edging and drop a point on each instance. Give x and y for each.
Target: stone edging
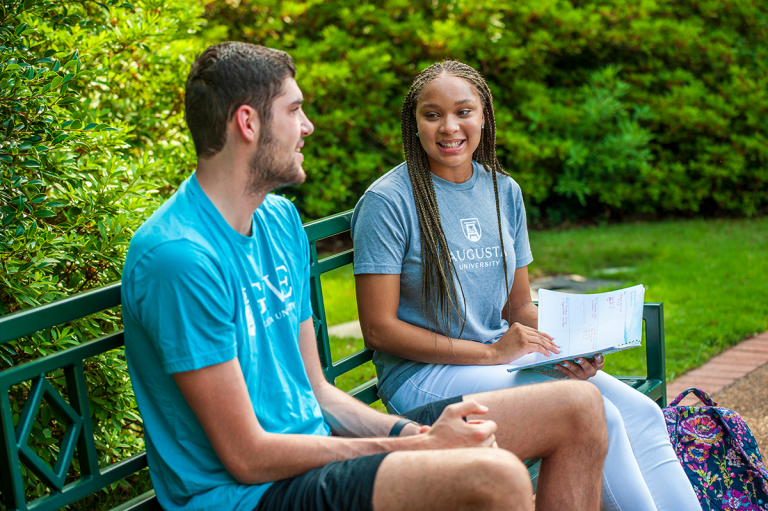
(722, 370)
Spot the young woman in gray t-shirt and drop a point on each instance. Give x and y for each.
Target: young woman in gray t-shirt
(441, 268)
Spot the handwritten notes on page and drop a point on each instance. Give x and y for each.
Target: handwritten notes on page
(584, 325)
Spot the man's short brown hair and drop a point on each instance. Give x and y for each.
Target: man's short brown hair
(226, 76)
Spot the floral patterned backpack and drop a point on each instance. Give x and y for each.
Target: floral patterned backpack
(719, 455)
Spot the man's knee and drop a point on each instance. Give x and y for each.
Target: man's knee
(500, 479)
(586, 413)
(583, 398)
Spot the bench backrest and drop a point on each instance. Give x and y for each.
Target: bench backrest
(325, 228)
(75, 411)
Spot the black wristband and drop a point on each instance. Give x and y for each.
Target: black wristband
(399, 425)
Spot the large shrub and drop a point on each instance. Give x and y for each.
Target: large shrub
(90, 119)
(603, 107)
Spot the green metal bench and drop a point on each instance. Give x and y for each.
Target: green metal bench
(75, 411)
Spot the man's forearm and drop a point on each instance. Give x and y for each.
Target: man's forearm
(301, 453)
(271, 457)
(351, 418)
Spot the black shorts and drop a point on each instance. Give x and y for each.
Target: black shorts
(339, 485)
(428, 413)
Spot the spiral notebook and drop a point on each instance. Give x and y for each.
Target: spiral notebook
(585, 325)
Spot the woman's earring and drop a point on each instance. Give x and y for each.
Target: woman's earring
(482, 127)
(417, 133)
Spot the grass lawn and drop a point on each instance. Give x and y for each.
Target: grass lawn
(712, 277)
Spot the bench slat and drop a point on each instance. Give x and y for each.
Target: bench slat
(86, 486)
(331, 263)
(329, 226)
(652, 389)
(26, 322)
(348, 363)
(62, 359)
(144, 502)
(367, 392)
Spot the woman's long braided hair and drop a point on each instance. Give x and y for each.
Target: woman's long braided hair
(439, 296)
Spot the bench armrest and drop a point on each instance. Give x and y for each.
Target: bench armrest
(653, 314)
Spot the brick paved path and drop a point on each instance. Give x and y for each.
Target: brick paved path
(723, 370)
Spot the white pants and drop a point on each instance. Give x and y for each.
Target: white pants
(641, 469)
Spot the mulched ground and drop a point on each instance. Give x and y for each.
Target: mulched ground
(749, 397)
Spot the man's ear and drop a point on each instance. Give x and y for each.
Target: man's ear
(246, 124)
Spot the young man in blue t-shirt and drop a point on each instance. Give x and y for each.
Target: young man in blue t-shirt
(222, 354)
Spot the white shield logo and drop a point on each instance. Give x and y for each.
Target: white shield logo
(471, 229)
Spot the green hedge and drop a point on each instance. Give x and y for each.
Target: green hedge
(90, 139)
(606, 108)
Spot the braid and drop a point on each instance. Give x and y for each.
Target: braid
(439, 294)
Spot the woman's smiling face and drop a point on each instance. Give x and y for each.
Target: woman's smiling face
(449, 114)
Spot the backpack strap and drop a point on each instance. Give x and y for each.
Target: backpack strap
(703, 396)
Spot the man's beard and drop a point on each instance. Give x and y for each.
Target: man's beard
(272, 168)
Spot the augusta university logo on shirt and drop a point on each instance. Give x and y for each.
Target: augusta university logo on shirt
(471, 229)
(475, 258)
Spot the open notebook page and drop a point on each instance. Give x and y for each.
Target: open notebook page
(588, 324)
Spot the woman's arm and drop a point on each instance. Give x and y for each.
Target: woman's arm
(378, 297)
(521, 308)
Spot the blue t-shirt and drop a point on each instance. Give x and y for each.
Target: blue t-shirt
(197, 293)
(385, 230)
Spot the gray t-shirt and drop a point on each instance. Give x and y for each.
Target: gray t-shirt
(385, 230)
